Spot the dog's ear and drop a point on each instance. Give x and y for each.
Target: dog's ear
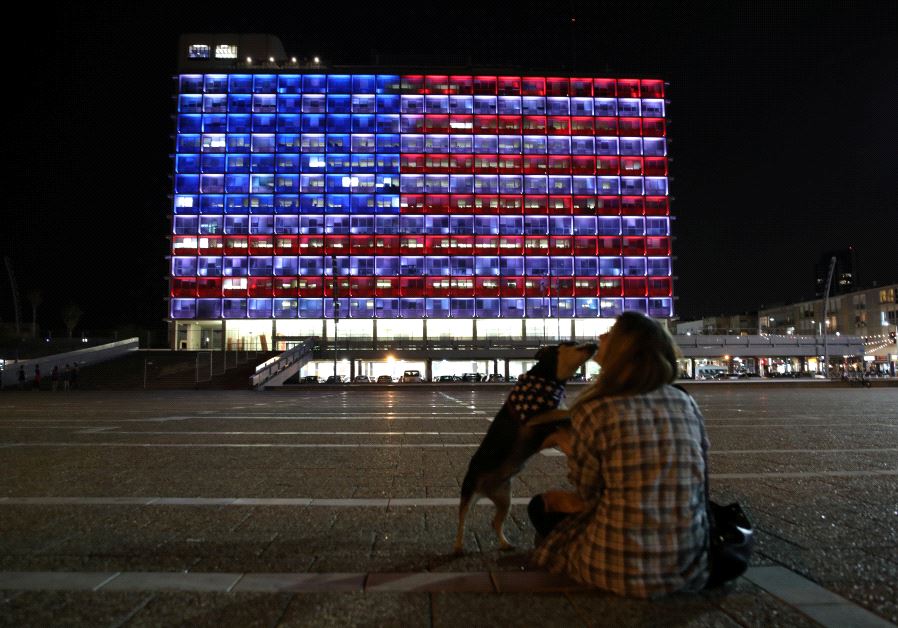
(543, 353)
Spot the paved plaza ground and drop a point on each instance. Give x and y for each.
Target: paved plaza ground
(338, 507)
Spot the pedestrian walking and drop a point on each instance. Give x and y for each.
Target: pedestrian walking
(66, 378)
(37, 377)
(54, 378)
(21, 377)
(73, 376)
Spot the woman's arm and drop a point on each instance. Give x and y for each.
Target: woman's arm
(585, 452)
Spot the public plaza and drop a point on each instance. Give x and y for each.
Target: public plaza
(337, 506)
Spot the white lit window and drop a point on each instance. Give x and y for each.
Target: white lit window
(225, 51)
(198, 51)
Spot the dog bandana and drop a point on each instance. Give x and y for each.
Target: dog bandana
(533, 395)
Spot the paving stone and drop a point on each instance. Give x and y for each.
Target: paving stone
(510, 609)
(212, 609)
(301, 582)
(358, 609)
(430, 582)
(39, 609)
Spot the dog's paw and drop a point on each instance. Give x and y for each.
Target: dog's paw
(506, 547)
(458, 550)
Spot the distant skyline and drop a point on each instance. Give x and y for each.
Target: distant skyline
(783, 132)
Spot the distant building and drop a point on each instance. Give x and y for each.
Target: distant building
(844, 275)
(725, 325)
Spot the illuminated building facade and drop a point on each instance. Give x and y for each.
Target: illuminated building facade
(427, 203)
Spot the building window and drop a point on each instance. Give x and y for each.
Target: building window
(225, 51)
(198, 51)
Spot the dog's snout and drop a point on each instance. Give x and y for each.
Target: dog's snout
(591, 347)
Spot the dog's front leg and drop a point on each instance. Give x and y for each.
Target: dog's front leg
(549, 416)
(501, 497)
(560, 438)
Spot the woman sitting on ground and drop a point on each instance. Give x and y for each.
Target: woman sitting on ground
(637, 451)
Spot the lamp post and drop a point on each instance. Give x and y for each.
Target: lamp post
(334, 271)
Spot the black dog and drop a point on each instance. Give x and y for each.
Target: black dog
(524, 425)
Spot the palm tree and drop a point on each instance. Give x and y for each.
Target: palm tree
(35, 297)
(70, 316)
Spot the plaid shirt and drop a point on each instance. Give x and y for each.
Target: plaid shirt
(639, 462)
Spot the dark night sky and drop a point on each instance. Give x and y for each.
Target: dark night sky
(783, 126)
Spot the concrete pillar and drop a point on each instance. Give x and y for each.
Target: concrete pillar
(474, 330)
(506, 370)
(572, 329)
(374, 334)
(428, 370)
(523, 328)
(495, 366)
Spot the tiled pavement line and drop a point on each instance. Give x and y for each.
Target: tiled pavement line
(823, 606)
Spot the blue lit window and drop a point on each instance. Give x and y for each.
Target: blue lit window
(386, 308)
(561, 266)
(388, 84)
(286, 225)
(215, 103)
(556, 106)
(387, 225)
(509, 106)
(534, 145)
(437, 104)
(510, 144)
(461, 144)
(209, 308)
(461, 308)
(286, 308)
(364, 124)
(310, 308)
(287, 162)
(208, 266)
(311, 225)
(559, 144)
(310, 266)
(289, 84)
(363, 104)
(364, 84)
(411, 104)
(261, 224)
(386, 266)
(511, 266)
(634, 266)
(533, 105)
(314, 83)
(339, 103)
(265, 103)
(387, 103)
(314, 103)
(610, 266)
(361, 308)
(411, 266)
(234, 308)
(216, 83)
(265, 83)
(436, 225)
(461, 104)
(658, 266)
(437, 308)
(586, 266)
(190, 123)
(437, 266)
(412, 308)
(240, 83)
(581, 145)
(189, 103)
(536, 266)
(211, 203)
(210, 225)
(635, 305)
(362, 162)
(631, 186)
(628, 107)
(312, 143)
(361, 224)
(191, 84)
(660, 308)
(606, 106)
(183, 308)
(607, 146)
(486, 266)
(339, 83)
(657, 226)
(361, 265)
(436, 143)
(630, 146)
(656, 186)
(539, 308)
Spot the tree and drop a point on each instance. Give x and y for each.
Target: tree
(70, 316)
(35, 297)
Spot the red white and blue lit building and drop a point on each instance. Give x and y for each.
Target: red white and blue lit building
(414, 203)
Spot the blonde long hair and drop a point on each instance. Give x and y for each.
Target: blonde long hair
(640, 356)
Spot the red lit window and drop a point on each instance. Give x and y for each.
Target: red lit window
(232, 287)
(437, 245)
(629, 126)
(411, 286)
(608, 245)
(632, 206)
(586, 287)
(486, 164)
(486, 245)
(535, 204)
(461, 287)
(260, 286)
(656, 166)
(581, 87)
(436, 124)
(386, 245)
(558, 125)
(559, 164)
(536, 245)
(652, 88)
(582, 125)
(604, 88)
(509, 164)
(606, 126)
(336, 244)
(411, 203)
(607, 165)
(285, 245)
(653, 127)
(436, 163)
(285, 286)
(511, 286)
(212, 286)
(509, 85)
(583, 165)
(585, 245)
(486, 204)
(535, 164)
(659, 287)
(210, 245)
(511, 245)
(634, 286)
(535, 125)
(608, 205)
(536, 286)
(486, 124)
(411, 244)
(386, 286)
(533, 86)
(412, 84)
(310, 286)
(310, 245)
(435, 84)
(411, 164)
(183, 286)
(260, 245)
(461, 245)
(485, 85)
(462, 85)
(361, 286)
(511, 125)
(583, 205)
(342, 286)
(558, 87)
(559, 205)
(610, 286)
(561, 286)
(657, 206)
(461, 123)
(510, 205)
(657, 245)
(461, 203)
(633, 245)
(438, 286)
(628, 88)
(487, 286)
(560, 245)
(184, 245)
(362, 245)
(631, 166)
(461, 164)
(236, 245)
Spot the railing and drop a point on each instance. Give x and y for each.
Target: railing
(80, 358)
(270, 368)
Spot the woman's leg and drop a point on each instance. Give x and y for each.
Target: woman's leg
(544, 520)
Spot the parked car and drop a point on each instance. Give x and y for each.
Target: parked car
(470, 377)
(384, 379)
(335, 379)
(361, 379)
(447, 379)
(495, 378)
(310, 379)
(411, 377)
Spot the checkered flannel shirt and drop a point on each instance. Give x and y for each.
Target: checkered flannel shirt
(533, 395)
(639, 462)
